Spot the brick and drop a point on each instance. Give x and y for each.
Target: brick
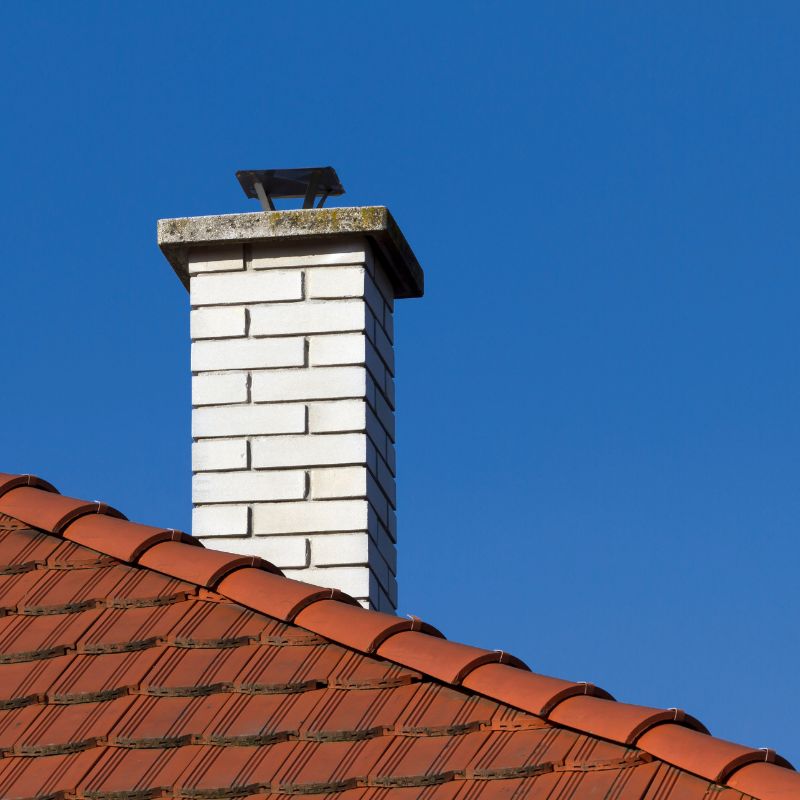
(214, 521)
(219, 388)
(222, 354)
(269, 255)
(333, 416)
(384, 286)
(317, 383)
(385, 415)
(236, 487)
(388, 323)
(336, 282)
(373, 298)
(340, 549)
(338, 482)
(337, 349)
(245, 287)
(282, 551)
(216, 259)
(217, 322)
(308, 450)
(312, 316)
(310, 517)
(384, 347)
(217, 454)
(211, 421)
(355, 581)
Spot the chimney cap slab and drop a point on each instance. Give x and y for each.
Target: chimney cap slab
(177, 236)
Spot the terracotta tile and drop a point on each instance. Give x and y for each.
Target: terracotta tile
(196, 564)
(64, 587)
(448, 661)
(138, 770)
(311, 763)
(279, 597)
(352, 669)
(49, 511)
(119, 538)
(206, 621)
(22, 635)
(184, 668)
(73, 723)
(15, 587)
(675, 784)
(352, 710)
(510, 749)
(102, 674)
(767, 781)
(42, 776)
(9, 482)
(30, 678)
(526, 690)
(165, 718)
(704, 755)
(418, 756)
(620, 722)
(14, 722)
(25, 547)
(355, 627)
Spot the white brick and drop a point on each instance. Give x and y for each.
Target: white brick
(385, 415)
(337, 349)
(334, 416)
(245, 287)
(313, 316)
(308, 451)
(332, 282)
(338, 482)
(388, 323)
(281, 551)
(217, 389)
(355, 581)
(340, 549)
(384, 348)
(310, 517)
(247, 420)
(236, 487)
(217, 322)
(222, 354)
(219, 521)
(215, 454)
(318, 383)
(269, 255)
(216, 259)
(386, 481)
(384, 286)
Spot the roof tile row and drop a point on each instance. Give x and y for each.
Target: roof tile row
(669, 735)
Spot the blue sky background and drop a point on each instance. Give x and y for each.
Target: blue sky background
(599, 398)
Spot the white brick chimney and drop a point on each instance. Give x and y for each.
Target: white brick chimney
(293, 454)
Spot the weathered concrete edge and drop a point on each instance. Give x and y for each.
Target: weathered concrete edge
(177, 236)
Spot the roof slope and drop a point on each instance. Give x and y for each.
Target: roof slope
(135, 664)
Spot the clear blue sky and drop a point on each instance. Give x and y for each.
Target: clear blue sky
(599, 397)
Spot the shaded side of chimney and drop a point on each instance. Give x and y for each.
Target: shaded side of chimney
(293, 425)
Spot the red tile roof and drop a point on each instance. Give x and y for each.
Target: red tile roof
(134, 663)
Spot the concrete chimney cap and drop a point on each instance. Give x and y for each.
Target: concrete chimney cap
(177, 236)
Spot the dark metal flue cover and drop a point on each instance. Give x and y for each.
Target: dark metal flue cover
(308, 183)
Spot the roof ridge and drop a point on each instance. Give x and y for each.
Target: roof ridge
(671, 735)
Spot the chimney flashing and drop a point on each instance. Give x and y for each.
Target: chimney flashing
(177, 236)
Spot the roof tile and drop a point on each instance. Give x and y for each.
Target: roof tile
(49, 511)
(356, 627)
(707, 756)
(201, 566)
(766, 781)
(279, 597)
(119, 538)
(447, 661)
(527, 690)
(268, 687)
(619, 722)
(9, 482)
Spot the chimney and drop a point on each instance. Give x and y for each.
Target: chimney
(293, 430)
